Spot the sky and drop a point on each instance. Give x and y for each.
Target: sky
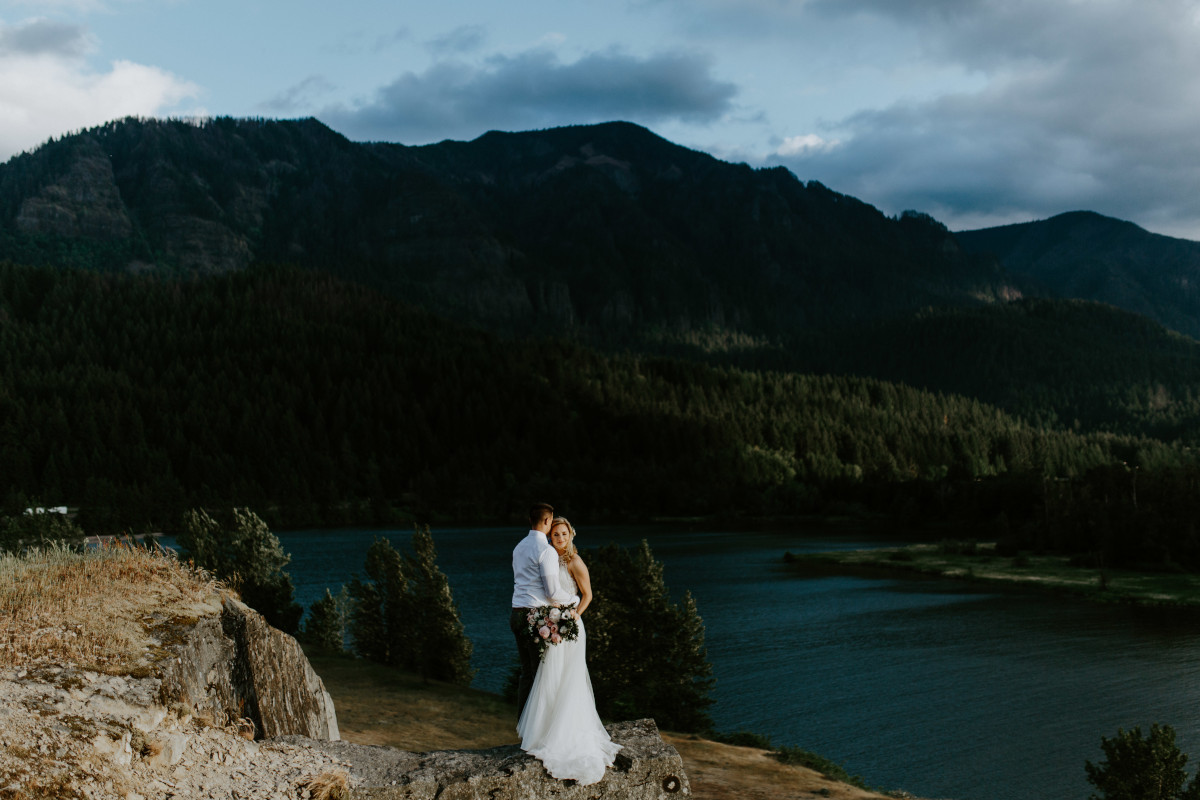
(979, 112)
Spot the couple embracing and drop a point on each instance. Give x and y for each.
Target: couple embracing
(558, 722)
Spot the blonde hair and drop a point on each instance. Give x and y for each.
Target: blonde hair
(570, 552)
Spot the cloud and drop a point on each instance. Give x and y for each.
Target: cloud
(298, 97)
(1081, 105)
(463, 39)
(360, 42)
(806, 145)
(47, 87)
(535, 89)
(44, 37)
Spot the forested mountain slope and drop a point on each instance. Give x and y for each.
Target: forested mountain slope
(1070, 364)
(606, 230)
(296, 393)
(1091, 257)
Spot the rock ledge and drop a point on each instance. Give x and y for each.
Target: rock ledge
(647, 768)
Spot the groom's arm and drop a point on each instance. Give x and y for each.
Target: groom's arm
(548, 561)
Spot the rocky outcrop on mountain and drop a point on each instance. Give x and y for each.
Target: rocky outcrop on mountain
(82, 201)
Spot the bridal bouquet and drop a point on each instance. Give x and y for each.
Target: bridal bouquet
(551, 625)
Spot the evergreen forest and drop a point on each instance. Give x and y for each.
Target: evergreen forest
(314, 400)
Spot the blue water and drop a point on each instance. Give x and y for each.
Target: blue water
(939, 688)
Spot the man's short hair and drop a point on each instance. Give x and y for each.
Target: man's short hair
(539, 510)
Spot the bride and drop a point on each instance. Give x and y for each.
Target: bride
(559, 724)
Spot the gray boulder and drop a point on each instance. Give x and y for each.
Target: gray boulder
(235, 666)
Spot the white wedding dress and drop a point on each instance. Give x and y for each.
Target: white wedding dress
(560, 725)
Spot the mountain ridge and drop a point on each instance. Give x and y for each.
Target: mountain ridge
(1085, 255)
(605, 229)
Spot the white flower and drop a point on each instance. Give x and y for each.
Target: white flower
(555, 615)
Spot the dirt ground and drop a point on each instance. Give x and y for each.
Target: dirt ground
(382, 706)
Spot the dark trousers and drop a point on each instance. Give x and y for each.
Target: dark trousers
(527, 649)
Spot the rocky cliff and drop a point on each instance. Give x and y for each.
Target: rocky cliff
(235, 666)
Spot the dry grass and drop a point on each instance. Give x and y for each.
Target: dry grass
(727, 772)
(381, 705)
(327, 786)
(95, 608)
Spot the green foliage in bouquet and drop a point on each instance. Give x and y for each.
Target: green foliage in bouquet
(559, 623)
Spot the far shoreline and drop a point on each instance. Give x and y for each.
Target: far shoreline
(968, 561)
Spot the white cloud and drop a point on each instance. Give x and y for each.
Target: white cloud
(806, 145)
(47, 87)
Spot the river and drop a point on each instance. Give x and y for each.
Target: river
(943, 689)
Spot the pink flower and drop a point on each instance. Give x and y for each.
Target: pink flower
(544, 632)
(555, 639)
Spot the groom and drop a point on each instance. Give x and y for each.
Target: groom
(535, 583)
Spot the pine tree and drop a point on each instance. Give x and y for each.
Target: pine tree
(685, 681)
(381, 615)
(325, 627)
(646, 653)
(248, 556)
(442, 650)
(1142, 768)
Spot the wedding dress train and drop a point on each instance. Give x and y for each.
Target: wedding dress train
(560, 725)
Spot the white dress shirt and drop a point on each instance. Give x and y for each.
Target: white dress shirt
(535, 574)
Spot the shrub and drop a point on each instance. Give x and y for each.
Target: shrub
(958, 547)
(33, 529)
(744, 739)
(831, 770)
(1142, 768)
(244, 553)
